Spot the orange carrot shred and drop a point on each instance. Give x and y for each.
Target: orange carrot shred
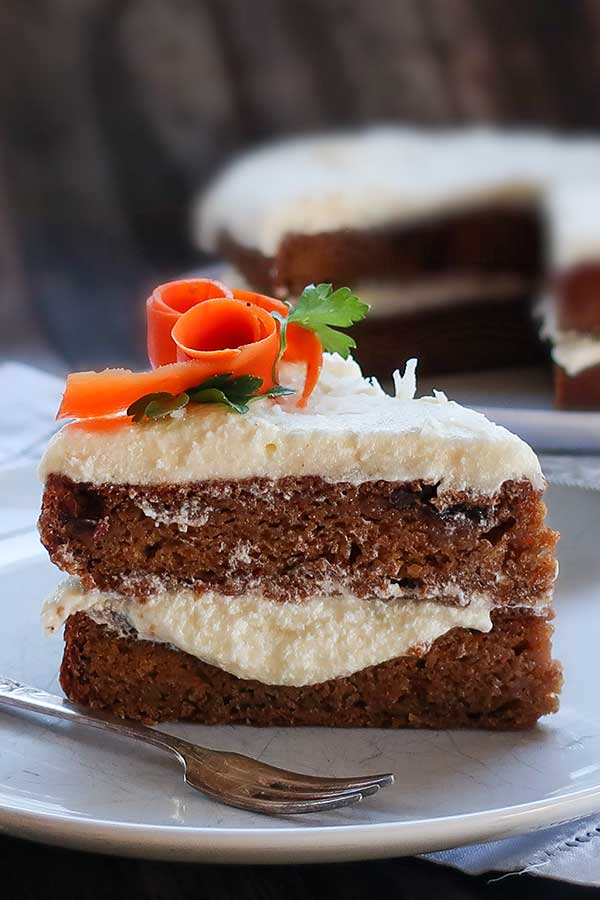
(271, 304)
(239, 334)
(113, 390)
(105, 424)
(304, 346)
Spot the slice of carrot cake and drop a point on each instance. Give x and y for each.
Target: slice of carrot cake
(255, 533)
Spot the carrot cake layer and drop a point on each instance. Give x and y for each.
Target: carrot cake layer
(294, 536)
(503, 678)
(382, 496)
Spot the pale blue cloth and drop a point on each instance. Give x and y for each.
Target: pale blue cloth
(568, 852)
(28, 407)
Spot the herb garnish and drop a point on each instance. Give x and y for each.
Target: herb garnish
(156, 406)
(235, 393)
(317, 309)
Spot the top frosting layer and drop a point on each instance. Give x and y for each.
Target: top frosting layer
(380, 176)
(351, 430)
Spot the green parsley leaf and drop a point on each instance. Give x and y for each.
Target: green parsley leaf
(278, 390)
(157, 406)
(319, 307)
(234, 393)
(335, 341)
(241, 387)
(214, 395)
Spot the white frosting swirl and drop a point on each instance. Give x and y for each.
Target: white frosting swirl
(574, 212)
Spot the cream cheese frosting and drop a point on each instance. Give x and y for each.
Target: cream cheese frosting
(574, 210)
(275, 643)
(383, 175)
(391, 298)
(350, 430)
(573, 351)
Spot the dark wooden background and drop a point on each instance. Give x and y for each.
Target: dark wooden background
(112, 112)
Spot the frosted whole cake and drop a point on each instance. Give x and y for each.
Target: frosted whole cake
(570, 308)
(255, 533)
(451, 236)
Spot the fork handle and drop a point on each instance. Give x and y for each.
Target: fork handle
(22, 696)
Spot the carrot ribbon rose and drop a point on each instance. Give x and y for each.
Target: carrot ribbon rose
(302, 346)
(220, 335)
(164, 307)
(176, 299)
(198, 329)
(238, 337)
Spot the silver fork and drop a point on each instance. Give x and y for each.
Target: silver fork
(230, 778)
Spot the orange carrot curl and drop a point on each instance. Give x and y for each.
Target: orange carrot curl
(197, 328)
(164, 307)
(238, 337)
(303, 346)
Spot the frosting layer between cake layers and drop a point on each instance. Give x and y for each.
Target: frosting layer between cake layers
(253, 637)
(573, 351)
(350, 431)
(394, 297)
(575, 212)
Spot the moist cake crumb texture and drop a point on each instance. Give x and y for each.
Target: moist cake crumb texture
(298, 536)
(504, 679)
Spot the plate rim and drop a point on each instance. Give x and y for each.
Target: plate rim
(303, 843)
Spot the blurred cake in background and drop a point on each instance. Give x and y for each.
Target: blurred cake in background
(570, 309)
(448, 235)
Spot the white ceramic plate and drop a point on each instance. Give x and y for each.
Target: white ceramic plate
(74, 787)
